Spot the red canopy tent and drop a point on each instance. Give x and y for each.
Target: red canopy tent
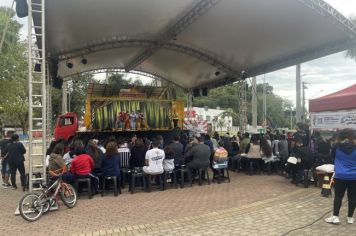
(342, 100)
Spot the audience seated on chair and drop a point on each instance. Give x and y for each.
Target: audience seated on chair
(154, 159)
(305, 159)
(56, 162)
(82, 164)
(177, 148)
(96, 154)
(168, 162)
(138, 153)
(110, 162)
(220, 156)
(199, 155)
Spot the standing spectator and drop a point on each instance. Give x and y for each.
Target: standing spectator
(283, 148)
(275, 148)
(138, 153)
(177, 150)
(16, 160)
(244, 142)
(154, 159)
(344, 153)
(5, 167)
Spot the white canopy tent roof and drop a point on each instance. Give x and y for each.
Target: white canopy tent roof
(192, 43)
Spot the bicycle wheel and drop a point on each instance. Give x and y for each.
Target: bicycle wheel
(68, 195)
(30, 207)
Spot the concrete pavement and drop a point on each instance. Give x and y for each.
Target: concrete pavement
(249, 205)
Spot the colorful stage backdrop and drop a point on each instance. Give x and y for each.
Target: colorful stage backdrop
(156, 113)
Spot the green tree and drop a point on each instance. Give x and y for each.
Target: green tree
(228, 98)
(77, 95)
(13, 74)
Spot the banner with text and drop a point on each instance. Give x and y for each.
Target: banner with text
(333, 120)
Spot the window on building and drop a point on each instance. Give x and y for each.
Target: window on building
(207, 118)
(200, 117)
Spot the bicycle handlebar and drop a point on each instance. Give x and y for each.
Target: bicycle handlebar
(60, 171)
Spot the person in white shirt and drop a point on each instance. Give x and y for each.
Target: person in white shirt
(154, 160)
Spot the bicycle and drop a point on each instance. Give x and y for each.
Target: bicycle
(32, 205)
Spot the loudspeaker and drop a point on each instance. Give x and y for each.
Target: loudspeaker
(38, 67)
(57, 82)
(196, 92)
(53, 68)
(21, 8)
(204, 91)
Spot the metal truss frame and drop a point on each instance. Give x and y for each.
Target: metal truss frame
(189, 18)
(153, 75)
(336, 17)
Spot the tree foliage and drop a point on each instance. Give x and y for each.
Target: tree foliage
(228, 98)
(13, 74)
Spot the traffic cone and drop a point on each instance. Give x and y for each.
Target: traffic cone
(326, 190)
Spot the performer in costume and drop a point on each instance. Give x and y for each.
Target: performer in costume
(142, 120)
(120, 119)
(133, 120)
(127, 121)
(175, 119)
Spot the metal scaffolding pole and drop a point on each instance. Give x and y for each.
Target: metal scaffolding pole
(298, 95)
(254, 104)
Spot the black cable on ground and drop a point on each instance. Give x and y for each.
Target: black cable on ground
(310, 224)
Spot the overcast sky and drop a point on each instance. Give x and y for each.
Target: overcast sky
(324, 75)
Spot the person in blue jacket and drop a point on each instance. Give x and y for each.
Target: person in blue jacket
(344, 153)
(110, 164)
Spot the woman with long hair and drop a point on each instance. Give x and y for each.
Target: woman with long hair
(138, 153)
(110, 162)
(94, 151)
(344, 153)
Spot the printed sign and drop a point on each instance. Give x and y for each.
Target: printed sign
(333, 120)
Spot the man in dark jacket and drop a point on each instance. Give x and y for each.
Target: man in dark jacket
(305, 158)
(16, 152)
(177, 149)
(199, 154)
(5, 168)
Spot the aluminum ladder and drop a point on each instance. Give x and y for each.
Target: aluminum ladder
(37, 93)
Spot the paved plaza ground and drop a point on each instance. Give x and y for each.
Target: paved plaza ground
(249, 205)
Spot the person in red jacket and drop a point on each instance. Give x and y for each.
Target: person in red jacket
(81, 167)
(82, 164)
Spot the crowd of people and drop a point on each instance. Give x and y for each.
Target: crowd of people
(98, 158)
